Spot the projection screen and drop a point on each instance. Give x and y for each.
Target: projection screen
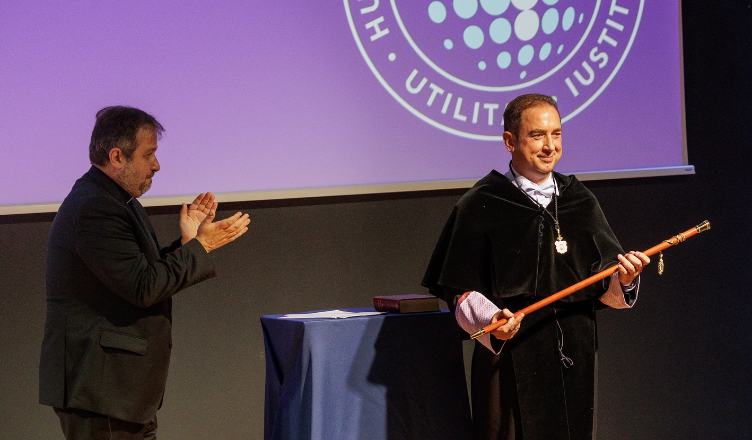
(266, 100)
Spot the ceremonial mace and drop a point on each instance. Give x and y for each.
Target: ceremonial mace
(676, 239)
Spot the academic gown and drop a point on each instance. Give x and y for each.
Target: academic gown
(500, 243)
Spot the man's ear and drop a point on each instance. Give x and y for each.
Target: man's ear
(117, 158)
(509, 141)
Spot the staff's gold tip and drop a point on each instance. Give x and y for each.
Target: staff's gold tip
(478, 334)
(704, 226)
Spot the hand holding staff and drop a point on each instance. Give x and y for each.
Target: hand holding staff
(704, 226)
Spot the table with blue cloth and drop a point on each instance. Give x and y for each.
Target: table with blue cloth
(389, 376)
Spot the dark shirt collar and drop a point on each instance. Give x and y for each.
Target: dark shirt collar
(110, 185)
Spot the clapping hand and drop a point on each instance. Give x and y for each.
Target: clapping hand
(215, 235)
(192, 216)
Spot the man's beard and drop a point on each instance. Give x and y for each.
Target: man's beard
(129, 181)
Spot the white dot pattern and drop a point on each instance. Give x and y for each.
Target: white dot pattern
(515, 23)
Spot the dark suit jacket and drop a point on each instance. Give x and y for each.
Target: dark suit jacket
(107, 336)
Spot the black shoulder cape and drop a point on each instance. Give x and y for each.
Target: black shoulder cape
(500, 243)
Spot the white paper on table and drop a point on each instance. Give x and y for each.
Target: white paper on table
(329, 314)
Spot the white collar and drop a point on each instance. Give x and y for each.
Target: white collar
(542, 193)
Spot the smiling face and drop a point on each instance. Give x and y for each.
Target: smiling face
(537, 148)
(136, 173)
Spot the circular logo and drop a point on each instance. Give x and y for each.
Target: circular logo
(456, 63)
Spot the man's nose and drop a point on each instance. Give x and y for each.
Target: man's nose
(548, 142)
(155, 165)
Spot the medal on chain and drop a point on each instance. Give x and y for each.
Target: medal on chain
(561, 245)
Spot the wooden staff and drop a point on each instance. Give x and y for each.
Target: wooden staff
(676, 239)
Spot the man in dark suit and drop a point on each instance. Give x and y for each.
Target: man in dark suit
(107, 338)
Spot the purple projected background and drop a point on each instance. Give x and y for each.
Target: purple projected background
(277, 95)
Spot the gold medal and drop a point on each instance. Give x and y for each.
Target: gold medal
(561, 245)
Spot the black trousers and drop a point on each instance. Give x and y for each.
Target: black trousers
(78, 424)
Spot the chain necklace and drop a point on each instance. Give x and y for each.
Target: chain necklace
(561, 245)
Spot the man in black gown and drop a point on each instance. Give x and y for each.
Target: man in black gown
(512, 240)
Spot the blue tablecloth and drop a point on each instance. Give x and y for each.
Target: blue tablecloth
(378, 377)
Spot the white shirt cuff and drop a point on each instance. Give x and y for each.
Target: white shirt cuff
(473, 312)
(614, 296)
